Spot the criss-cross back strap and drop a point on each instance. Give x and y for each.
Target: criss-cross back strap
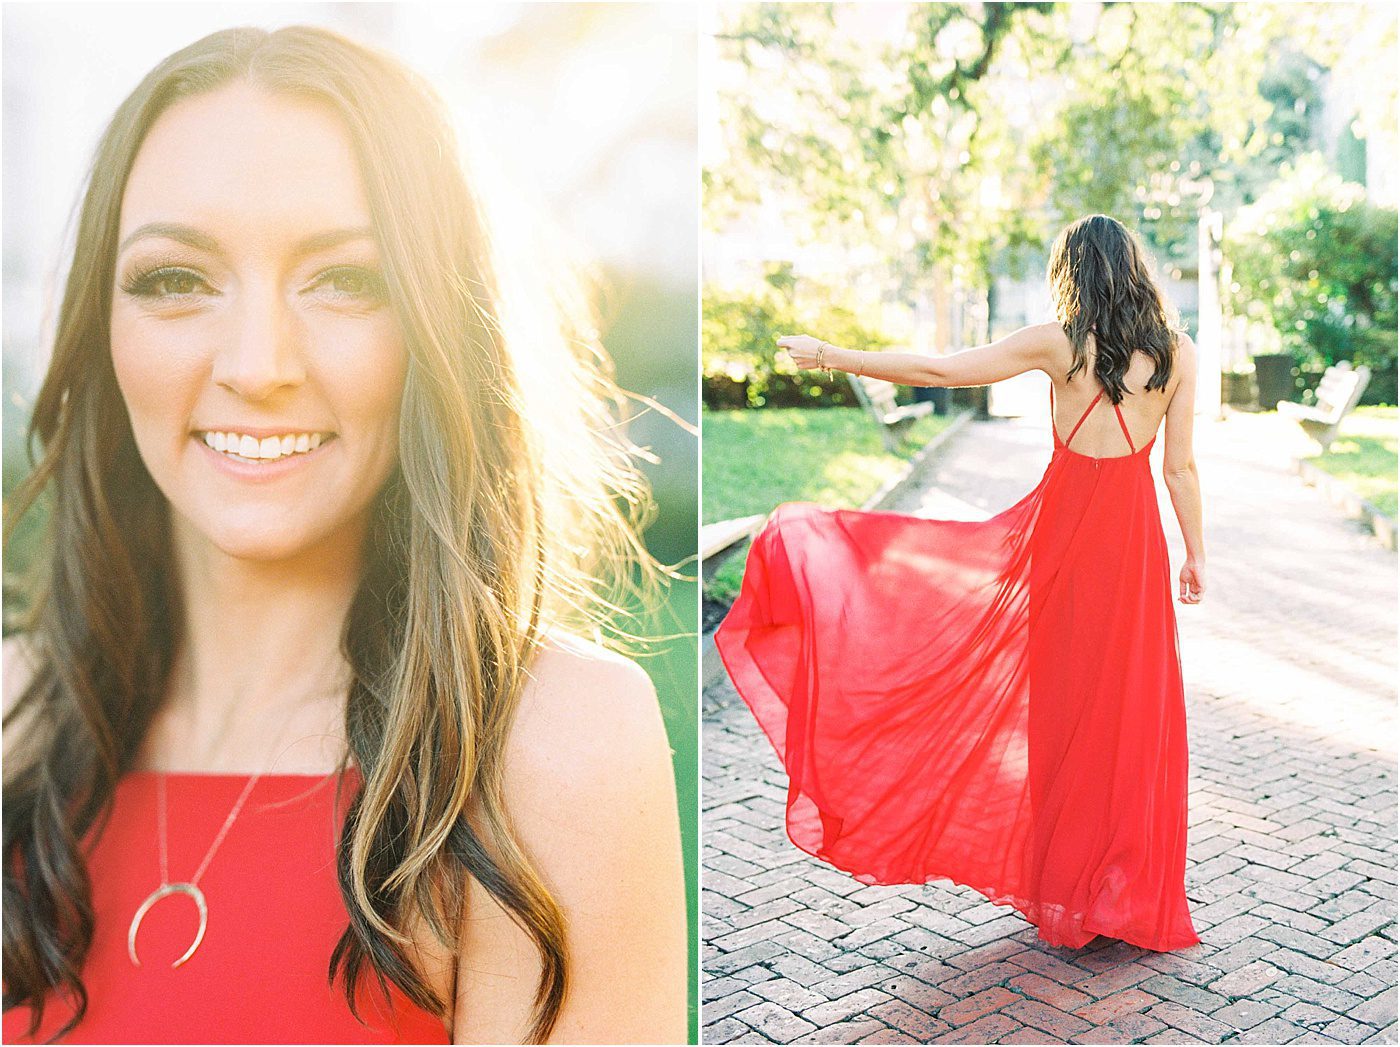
(1124, 426)
(1116, 410)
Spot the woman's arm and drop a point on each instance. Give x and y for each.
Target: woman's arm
(1180, 475)
(1028, 349)
(589, 787)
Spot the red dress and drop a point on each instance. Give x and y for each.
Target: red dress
(998, 703)
(275, 915)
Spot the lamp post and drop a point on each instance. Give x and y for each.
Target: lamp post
(1210, 320)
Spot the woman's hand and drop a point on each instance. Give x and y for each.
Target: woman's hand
(1193, 581)
(802, 348)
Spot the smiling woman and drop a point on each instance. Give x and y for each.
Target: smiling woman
(320, 513)
(250, 302)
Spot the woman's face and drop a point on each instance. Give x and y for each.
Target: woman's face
(258, 358)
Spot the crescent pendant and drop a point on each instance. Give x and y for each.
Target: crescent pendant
(164, 891)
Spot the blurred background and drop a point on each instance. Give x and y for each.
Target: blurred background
(915, 160)
(892, 175)
(586, 111)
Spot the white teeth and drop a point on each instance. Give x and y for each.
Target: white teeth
(267, 449)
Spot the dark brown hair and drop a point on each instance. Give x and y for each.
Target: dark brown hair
(1102, 283)
(515, 504)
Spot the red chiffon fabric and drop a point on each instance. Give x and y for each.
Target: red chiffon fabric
(998, 703)
(275, 915)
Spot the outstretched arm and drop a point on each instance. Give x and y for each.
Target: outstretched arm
(1025, 350)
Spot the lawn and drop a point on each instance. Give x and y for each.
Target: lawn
(1364, 455)
(756, 459)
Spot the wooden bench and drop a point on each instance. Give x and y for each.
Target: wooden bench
(1338, 392)
(877, 397)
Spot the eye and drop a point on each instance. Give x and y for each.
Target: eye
(166, 282)
(351, 281)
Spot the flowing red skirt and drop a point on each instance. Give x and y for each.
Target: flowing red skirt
(998, 703)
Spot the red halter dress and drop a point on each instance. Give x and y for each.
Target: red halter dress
(998, 703)
(275, 915)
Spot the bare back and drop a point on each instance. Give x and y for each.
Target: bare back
(1143, 410)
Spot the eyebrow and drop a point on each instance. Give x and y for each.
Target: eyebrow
(192, 237)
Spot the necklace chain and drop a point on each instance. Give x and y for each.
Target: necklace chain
(223, 831)
(228, 822)
(191, 886)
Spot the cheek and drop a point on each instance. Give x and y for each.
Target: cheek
(158, 376)
(363, 375)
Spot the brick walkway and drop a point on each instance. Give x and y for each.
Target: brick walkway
(1290, 668)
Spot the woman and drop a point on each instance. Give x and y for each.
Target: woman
(1000, 703)
(303, 738)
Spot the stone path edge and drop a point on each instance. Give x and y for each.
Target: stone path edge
(1340, 494)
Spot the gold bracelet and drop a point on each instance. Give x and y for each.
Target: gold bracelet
(821, 355)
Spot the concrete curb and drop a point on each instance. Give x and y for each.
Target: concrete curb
(1356, 507)
(711, 666)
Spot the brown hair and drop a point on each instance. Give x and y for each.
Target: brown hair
(515, 504)
(1102, 283)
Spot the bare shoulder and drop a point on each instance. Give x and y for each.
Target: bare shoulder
(1050, 334)
(1186, 349)
(1185, 366)
(583, 705)
(1058, 352)
(589, 787)
(1179, 455)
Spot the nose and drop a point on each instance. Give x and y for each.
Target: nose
(260, 354)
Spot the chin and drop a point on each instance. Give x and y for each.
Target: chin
(261, 540)
(255, 548)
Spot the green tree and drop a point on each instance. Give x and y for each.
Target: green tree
(936, 144)
(741, 362)
(1316, 261)
(873, 140)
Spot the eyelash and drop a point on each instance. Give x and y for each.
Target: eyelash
(143, 283)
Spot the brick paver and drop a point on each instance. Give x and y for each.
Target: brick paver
(1290, 668)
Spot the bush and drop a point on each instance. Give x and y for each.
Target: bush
(743, 366)
(1316, 261)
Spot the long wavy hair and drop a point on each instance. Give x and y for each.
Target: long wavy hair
(1102, 284)
(516, 505)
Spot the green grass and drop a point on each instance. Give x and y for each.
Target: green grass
(1364, 455)
(724, 584)
(757, 459)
